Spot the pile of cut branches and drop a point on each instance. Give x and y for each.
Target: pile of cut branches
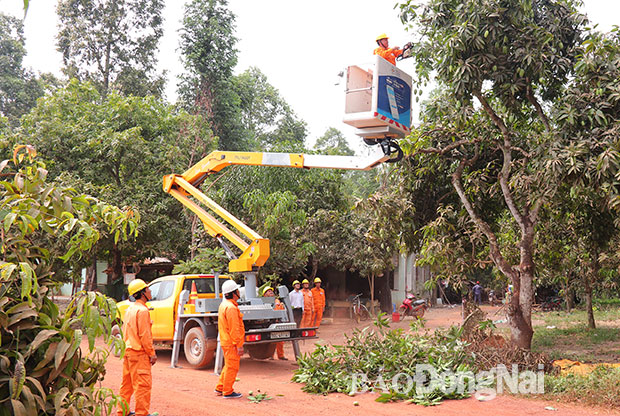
(491, 349)
(371, 358)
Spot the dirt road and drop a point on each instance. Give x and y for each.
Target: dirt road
(183, 391)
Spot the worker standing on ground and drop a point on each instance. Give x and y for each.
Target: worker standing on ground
(477, 289)
(139, 352)
(306, 320)
(318, 296)
(297, 302)
(278, 306)
(232, 334)
(384, 50)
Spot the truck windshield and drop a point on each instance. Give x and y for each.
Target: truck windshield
(203, 285)
(162, 290)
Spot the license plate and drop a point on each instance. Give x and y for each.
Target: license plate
(279, 335)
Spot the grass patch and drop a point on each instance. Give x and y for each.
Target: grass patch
(577, 316)
(599, 388)
(572, 339)
(578, 343)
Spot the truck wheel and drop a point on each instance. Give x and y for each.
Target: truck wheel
(116, 333)
(262, 351)
(199, 351)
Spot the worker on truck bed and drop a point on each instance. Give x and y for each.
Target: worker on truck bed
(384, 50)
(232, 335)
(306, 319)
(297, 302)
(139, 352)
(318, 296)
(278, 306)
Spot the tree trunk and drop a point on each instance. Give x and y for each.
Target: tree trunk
(568, 295)
(90, 283)
(194, 244)
(588, 278)
(117, 270)
(371, 284)
(315, 269)
(385, 292)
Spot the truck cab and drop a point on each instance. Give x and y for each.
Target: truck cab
(164, 304)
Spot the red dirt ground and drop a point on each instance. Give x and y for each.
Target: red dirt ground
(184, 391)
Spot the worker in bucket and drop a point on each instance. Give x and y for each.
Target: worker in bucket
(278, 306)
(232, 334)
(318, 296)
(306, 319)
(384, 50)
(297, 302)
(139, 352)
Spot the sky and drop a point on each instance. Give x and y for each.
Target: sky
(300, 46)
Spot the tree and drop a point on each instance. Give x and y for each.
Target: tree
(112, 43)
(333, 142)
(43, 370)
(379, 222)
(19, 88)
(588, 121)
(512, 58)
(266, 116)
(119, 148)
(209, 56)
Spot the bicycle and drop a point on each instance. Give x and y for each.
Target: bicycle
(358, 310)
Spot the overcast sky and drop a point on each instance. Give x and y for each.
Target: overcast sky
(300, 46)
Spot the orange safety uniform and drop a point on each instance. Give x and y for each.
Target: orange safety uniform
(318, 296)
(232, 334)
(306, 318)
(279, 306)
(136, 364)
(389, 54)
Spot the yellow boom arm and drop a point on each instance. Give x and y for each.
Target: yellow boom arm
(255, 253)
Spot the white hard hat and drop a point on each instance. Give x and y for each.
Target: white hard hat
(229, 286)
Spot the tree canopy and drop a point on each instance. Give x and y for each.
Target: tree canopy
(112, 43)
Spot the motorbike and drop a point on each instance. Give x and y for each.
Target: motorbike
(552, 304)
(412, 307)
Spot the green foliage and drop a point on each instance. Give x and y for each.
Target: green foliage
(42, 369)
(333, 142)
(258, 397)
(278, 216)
(381, 220)
(209, 56)
(206, 261)
(614, 302)
(266, 117)
(19, 88)
(118, 149)
(113, 44)
(254, 193)
(384, 353)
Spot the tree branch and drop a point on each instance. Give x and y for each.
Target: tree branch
(495, 252)
(530, 97)
(450, 147)
(504, 174)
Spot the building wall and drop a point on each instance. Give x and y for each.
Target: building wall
(409, 278)
(102, 279)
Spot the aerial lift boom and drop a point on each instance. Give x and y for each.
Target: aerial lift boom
(255, 253)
